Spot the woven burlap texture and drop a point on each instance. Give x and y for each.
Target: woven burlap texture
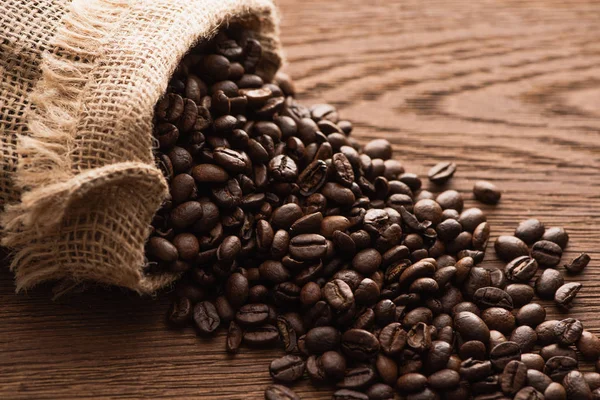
(79, 83)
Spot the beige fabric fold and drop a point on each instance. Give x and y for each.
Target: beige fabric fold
(79, 81)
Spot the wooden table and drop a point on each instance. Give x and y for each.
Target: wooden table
(510, 90)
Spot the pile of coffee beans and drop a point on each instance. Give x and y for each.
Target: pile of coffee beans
(288, 233)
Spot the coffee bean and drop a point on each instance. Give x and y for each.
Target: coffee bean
(358, 377)
(471, 327)
(442, 172)
(321, 339)
(359, 344)
(260, 336)
(380, 391)
(554, 350)
(308, 246)
(346, 394)
(206, 317)
(546, 253)
(578, 264)
(565, 295)
(525, 336)
(555, 391)
(478, 278)
(528, 393)
(378, 148)
(252, 314)
(514, 377)
(499, 319)
(438, 356)
(504, 353)
(481, 235)
(496, 338)
(450, 199)
(530, 231)
(592, 379)
(471, 218)
(558, 367)
(492, 297)
(180, 311)
(521, 269)
(428, 210)
(486, 192)
(338, 295)
(556, 235)
(533, 361)
(531, 314)
(287, 369)
(568, 331)
(279, 392)
(509, 247)
(548, 283)
(475, 370)
(576, 386)
(538, 380)
(411, 383)
(521, 294)
(234, 338)
(162, 249)
(367, 261)
(589, 345)
(472, 349)
(444, 379)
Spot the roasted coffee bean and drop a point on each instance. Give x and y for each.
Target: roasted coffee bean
(471, 327)
(234, 338)
(556, 235)
(359, 344)
(367, 261)
(525, 336)
(442, 172)
(492, 297)
(555, 391)
(280, 392)
(499, 319)
(358, 377)
(428, 210)
(533, 361)
(530, 231)
(448, 230)
(380, 391)
(438, 355)
(487, 192)
(264, 335)
(589, 345)
(385, 312)
(559, 366)
(308, 247)
(478, 278)
(472, 349)
(565, 295)
(419, 337)
(592, 379)
(546, 253)
(510, 247)
(496, 338)
(287, 369)
(513, 378)
(504, 353)
(538, 380)
(443, 380)
(578, 264)
(576, 386)
(180, 311)
(548, 283)
(520, 293)
(378, 148)
(411, 383)
(475, 370)
(554, 350)
(206, 317)
(531, 314)
(498, 279)
(392, 339)
(162, 249)
(568, 331)
(521, 269)
(347, 394)
(338, 295)
(481, 235)
(471, 218)
(321, 339)
(528, 393)
(252, 314)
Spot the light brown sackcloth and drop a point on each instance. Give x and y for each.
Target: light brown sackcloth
(79, 81)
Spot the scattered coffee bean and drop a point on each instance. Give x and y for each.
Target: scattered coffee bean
(510, 247)
(487, 192)
(442, 172)
(565, 294)
(578, 264)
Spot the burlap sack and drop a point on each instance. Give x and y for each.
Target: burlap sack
(79, 81)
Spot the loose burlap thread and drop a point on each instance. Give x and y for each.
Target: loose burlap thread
(79, 81)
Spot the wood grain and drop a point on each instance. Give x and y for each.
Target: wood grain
(510, 90)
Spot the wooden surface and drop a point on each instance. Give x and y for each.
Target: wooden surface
(508, 89)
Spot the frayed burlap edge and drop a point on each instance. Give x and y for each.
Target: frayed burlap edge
(117, 199)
